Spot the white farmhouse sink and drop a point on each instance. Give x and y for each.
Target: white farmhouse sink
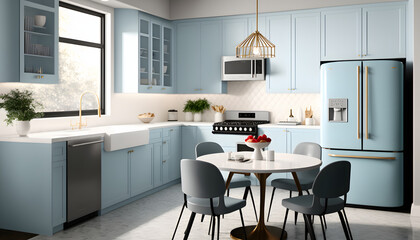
(120, 137)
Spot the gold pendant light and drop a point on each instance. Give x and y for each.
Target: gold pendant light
(256, 45)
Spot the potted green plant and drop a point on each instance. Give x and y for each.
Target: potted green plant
(188, 109)
(21, 108)
(200, 105)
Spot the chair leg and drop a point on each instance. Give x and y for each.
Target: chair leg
(271, 203)
(284, 224)
(242, 221)
(218, 226)
(228, 191)
(213, 228)
(253, 204)
(202, 218)
(343, 223)
(348, 225)
(296, 215)
(179, 218)
(322, 226)
(325, 222)
(190, 223)
(307, 191)
(211, 220)
(309, 226)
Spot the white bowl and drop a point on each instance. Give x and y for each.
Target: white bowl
(146, 119)
(257, 144)
(40, 20)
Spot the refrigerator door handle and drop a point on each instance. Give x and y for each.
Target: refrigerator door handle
(358, 102)
(365, 157)
(367, 102)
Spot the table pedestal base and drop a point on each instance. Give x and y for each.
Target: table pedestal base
(271, 233)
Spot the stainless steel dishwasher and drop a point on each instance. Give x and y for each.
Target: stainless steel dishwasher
(83, 177)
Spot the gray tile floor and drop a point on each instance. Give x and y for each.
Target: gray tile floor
(154, 218)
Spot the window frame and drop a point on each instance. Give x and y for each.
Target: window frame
(100, 46)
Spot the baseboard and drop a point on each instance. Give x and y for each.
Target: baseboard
(415, 210)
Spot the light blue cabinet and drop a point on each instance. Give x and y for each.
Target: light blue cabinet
(372, 32)
(188, 73)
(384, 31)
(174, 158)
(38, 44)
(9, 41)
(141, 174)
(235, 30)
(279, 69)
(144, 53)
(296, 136)
(341, 31)
(306, 53)
(199, 54)
(189, 141)
(115, 177)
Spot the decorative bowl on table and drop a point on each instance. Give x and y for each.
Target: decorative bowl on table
(257, 144)
(146, 117)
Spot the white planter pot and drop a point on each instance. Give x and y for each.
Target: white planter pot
(218, 117)
(197, 117)
(22, 127)
(188, 116)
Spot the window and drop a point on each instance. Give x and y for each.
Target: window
(81, 64)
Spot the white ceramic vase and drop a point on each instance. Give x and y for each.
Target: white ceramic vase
(197, 117)
(188, 116)
(22, 127)
(218, 117)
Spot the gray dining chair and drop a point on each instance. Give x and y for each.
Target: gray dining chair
(306, 178)
(330, 185)
(204, 193)
(238, 180)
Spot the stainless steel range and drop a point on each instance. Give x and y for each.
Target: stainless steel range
(241, 122)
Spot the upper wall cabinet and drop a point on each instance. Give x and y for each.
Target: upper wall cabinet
(363, 33)
(143, 53)
(39, 41)
(295, 69)
(234, 32)
(199, 54)
(9, 41)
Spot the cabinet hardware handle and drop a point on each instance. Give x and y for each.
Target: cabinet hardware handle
(358, 102)
(171, 130)
(366, 157)
(86, 143)
(39, 76)
(358, 55)
(149, 88)
(164, 161)
(164, 142)
(367, 103)
(163, 88)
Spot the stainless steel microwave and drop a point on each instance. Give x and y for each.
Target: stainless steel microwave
(242, 69)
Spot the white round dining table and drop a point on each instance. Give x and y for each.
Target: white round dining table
(283, 162)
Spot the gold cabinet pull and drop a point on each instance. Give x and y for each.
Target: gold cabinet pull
(367, 102)
(365, 157)
(164, 161)
(358, 102)
(163, 88)
(149, 88)
(164, 142)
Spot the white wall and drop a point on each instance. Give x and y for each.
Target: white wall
(181, 9)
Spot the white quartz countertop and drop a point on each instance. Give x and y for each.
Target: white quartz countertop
(274, 125)
(66, 135)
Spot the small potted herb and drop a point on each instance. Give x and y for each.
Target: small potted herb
(188, 110)
(199, 107)
(21, 108)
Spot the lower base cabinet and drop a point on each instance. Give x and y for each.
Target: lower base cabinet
(125, 173)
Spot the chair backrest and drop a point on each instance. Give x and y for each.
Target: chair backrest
(207, 148)
(201, 179)
(312, 150)
(333, 180)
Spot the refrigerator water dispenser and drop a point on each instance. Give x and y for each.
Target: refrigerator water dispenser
(337, 110)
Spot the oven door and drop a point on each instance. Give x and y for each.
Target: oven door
(241, 69)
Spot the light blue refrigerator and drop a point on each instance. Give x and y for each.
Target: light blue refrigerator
(362, 122)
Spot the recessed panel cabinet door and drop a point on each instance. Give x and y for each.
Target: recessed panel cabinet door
(175, 154)
(141, 169)
(188, 57)
(234, 32)
(279, 68)
(306, 52)
(341, 34)
(384, 32)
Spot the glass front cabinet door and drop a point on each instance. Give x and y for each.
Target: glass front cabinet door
(39, 41)
(156, 41)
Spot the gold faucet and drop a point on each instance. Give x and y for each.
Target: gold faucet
(80, 124)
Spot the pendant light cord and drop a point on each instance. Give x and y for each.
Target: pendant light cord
(257, 15)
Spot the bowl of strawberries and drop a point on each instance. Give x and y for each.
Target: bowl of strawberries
(257, 144)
